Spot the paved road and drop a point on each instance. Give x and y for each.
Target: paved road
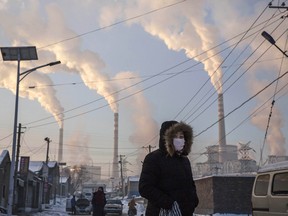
(124, 214)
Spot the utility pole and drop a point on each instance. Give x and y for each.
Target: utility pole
(149, 148)
(121, 170)
(45, 180)
(17, 161)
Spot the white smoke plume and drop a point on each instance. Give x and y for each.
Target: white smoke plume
(196, 26)
(39, 26)
(275, 139)
(78, 141)
(145, 127)
(181, 27)
(46, 96)
(88, 64)
(192, 26)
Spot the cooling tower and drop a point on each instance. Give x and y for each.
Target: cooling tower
(222, 133)
(115, 170)
(60, 149)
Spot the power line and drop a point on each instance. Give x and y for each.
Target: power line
(102, 106)
(163, 71)
(113, 24)
(236, 79)
(242, 104)
(234, 46)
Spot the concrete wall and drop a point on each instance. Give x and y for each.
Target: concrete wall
(224, 194)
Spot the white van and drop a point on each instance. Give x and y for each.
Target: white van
(270, 190)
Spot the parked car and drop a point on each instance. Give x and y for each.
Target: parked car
(83, 206)
(270, 190)
(68, 205)
(113, 206)
(3, 210)
(88, 195)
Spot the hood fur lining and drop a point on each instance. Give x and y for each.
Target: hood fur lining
(188, 136)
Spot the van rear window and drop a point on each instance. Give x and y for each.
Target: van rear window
(280, 184)
(261, 185)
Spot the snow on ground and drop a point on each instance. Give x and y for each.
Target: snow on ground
(59, 209)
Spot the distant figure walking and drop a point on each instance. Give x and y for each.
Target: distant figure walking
(73, 205)
(132, 207)
(98, 202)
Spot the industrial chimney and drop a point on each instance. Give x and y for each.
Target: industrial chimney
(222, 133)
(60, 149)
(115, 170)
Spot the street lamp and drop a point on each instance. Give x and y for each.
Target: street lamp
(269, 38)
(18, 54)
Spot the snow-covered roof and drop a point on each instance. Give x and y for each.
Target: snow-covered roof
(35, 166)
(133, 178)
(274, 166)
(63, 179)
(5, 153)
(52, 164)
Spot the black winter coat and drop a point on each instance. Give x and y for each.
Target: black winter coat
(166, 176)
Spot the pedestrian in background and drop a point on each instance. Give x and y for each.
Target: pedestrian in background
(166, 179)
(98, 202)
(73, 205)
(132, 207)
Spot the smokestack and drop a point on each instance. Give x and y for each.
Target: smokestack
(60, 149)
(115, 170)
(222, 133)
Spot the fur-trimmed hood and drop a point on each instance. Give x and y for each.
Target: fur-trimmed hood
(170, 134)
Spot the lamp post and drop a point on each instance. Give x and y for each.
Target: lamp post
(18, 54)
(269, 38)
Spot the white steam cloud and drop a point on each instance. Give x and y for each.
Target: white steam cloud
(78, 141)
(192, 26)
(38, 31)
(195, 27)
(181, 27)
(46, 96)
(275, 137)
(144, 126)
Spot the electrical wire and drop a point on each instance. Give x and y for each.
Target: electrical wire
(242, 104)
(142, 81)
(240, 65)
(237, 77)
(113, 24)
(271, 109)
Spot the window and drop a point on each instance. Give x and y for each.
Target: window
(261, 186)
(280, 184)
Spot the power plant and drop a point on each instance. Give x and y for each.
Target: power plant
(223, 158)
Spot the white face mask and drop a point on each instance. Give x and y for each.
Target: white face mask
(178, 143)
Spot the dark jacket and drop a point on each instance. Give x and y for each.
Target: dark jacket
(73, 202)
(98, 203)
(99, 198)
(166, 176)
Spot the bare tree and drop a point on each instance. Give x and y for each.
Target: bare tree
(78, 175)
